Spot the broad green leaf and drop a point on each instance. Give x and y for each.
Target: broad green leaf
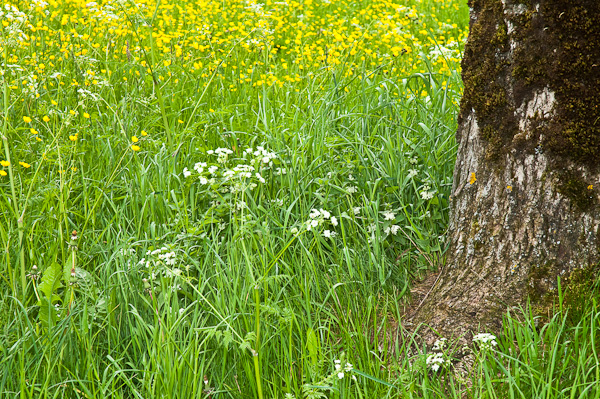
(50, 280)
(312, 344)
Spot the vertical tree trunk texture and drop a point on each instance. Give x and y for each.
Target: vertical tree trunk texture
(525, 199)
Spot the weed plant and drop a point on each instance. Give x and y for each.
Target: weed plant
(231, 199)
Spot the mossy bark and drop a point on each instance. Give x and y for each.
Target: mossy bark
(529, 132)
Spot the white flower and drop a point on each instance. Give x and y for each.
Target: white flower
(325, 214)
(485, 340)
(294, 230)
(412, 173)
(440, 344)
(314, 213)
(186, 172)
(436, 360)
(393, 229)
(328, 234)
(356, 210)
(203, 180)
(334, 221)
(340, 375)
(387, 215)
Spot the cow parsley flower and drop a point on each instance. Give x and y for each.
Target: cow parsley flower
(435, 361)
(387, 215)
(485, 340)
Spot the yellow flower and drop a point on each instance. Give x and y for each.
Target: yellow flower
(86, 115)
(46, 118)
(5, 163)
(33, 131)
(509, 188)
(135, 147)
(144, 133)
(2, 173)
(211, 110)
(179, 120)
(472, 179)
(27, 119)
(591, 187)
(24, 164)
(73, 138)
(134, 139)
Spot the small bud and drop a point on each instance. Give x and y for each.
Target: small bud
(34, 268)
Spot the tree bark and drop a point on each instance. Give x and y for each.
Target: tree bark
(525, 198)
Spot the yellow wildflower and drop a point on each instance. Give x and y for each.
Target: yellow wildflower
(5, 163)
(2, 173)
(144, 133)
(27, 119)
(135, 147)
(134, 139)
(24, 164)
(46, 118)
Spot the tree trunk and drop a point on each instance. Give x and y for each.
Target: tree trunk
(525, 199)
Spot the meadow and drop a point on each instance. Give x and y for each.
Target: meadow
(233, 199)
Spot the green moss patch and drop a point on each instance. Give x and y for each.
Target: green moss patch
(558, 47)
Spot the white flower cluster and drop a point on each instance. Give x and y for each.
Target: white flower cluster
(12, 13)
(440, 344)
(12, 22)
(163, 254)
(340, 371)
(319, 217)
(427, 193)
(234, 176)
(435, 361)
(160, 262)
(392, 229)
(221, 153)
(485, 340)
(388, 228)
(438, 360)
(261, 156)
(387, 215)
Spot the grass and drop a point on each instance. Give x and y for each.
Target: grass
(171, 228)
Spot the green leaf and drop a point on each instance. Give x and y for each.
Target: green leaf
(312, 344)
(47, 313)
(50, 280)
